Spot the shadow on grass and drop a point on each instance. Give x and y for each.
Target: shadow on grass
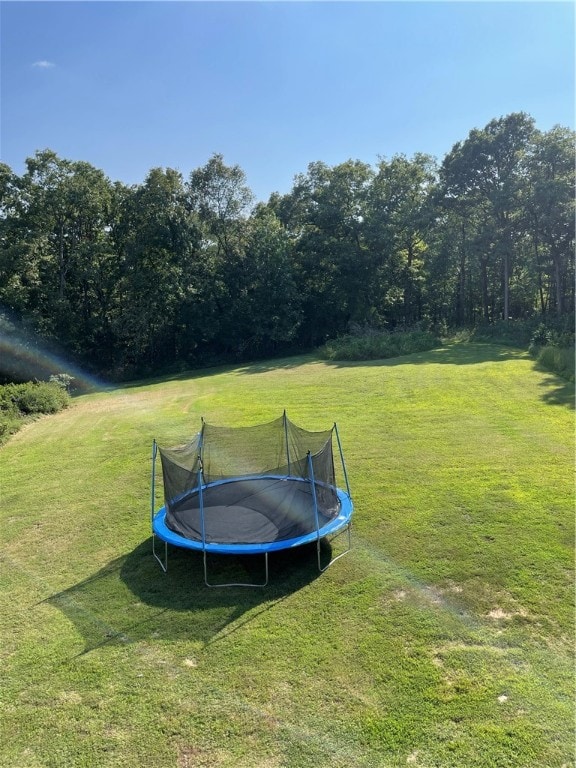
(558, 391)
(258, 366)
(282, 364)
(131, 599)
(185, 375)
(459, 353)
(469, 353)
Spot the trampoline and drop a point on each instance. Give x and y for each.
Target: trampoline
(250, 491)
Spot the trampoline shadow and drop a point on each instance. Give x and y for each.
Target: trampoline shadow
(132, 600)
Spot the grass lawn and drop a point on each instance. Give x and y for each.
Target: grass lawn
(445, 638)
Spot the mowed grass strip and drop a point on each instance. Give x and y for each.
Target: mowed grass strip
(445, 638)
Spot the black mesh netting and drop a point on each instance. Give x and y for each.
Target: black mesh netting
(250, 484)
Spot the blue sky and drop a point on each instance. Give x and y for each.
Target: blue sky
(272, 86)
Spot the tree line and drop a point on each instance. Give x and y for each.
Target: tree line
(180, 272)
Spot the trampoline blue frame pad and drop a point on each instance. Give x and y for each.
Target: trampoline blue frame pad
(327, 525)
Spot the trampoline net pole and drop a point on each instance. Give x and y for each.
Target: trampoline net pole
(318, 539)
(311, 473)
(201, 497)
(164, 563)
(153, 483)
(342, 460)
(287, 444)
(201, 500)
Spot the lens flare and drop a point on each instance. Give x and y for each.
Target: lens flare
(24, 357)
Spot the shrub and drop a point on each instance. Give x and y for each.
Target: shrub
(378, 345)
(515, 333)
(536, 332)
(8, 425)
(545, 336)
(41, 397)
(8, 407)
(559, 360)
(552, 344)
(19, 401)
(63, 380)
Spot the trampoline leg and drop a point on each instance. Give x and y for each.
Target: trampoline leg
(235, 584)
(348, 529)
(163, 565)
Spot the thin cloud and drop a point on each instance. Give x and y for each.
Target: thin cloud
(43, 64)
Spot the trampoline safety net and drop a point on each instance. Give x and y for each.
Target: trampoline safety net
(217, 455)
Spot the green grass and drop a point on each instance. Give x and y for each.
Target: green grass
(445, 638)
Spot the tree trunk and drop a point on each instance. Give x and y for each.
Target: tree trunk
(539, 275)
(506, 286)
(61, 265)
(557, 281)
(462, 278)
(408, 288)
(484, 279)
